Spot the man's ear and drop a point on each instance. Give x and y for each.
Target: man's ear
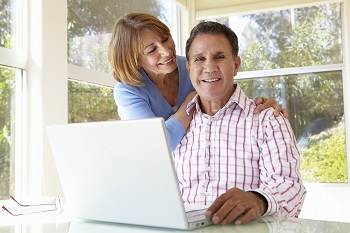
(188, 66)
(237, 65)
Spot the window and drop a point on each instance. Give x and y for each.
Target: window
(7, 133)
(11, 73)
(295, 57)
(88, 102)
(90, 25)
(6, 24)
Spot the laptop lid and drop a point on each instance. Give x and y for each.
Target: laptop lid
(119, 171)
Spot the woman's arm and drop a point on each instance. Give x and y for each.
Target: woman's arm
(134, 103)
(181, 113)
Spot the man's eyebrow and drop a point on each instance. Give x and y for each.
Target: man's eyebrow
(219, 52)
(201, 54)
(197, 55)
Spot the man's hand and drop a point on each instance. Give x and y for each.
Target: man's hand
(238, 205)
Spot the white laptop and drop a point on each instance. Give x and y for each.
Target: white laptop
(121, 172)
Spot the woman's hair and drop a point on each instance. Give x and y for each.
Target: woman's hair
(213, 28)
(126, 45)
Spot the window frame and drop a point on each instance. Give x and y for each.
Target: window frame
(16, 58)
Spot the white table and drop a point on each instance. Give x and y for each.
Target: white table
(52, 222)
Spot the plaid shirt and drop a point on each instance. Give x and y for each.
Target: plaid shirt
(237, 148)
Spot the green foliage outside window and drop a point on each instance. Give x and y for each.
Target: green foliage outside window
(7, 100)
(301, 37)
(324, 165)
(7, 84)
(88, 102)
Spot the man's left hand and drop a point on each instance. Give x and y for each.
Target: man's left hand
(237, 205)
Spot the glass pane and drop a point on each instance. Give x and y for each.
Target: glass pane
(7, 24)
(88, 103)
(7, 131)
(90, 25)
(295, 37)
(316, 114)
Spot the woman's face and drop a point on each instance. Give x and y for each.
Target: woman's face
(158, 55)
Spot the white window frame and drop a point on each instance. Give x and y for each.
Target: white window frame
(46, 97)
(17, 58)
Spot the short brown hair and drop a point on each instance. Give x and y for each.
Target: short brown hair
(216, 29)
(126, 45)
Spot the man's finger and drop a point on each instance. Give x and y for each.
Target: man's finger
(247, 217)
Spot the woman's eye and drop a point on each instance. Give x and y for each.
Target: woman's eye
(151, 50)
(165, 39)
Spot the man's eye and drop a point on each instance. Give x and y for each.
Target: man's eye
(198, 59)
(220, 57)
(165, 39)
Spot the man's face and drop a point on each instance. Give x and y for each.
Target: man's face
(212, 67)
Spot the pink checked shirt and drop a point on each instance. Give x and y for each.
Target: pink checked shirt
(237, 148)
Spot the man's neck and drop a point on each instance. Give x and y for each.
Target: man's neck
(212, 106)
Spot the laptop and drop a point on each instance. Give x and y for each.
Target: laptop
(121, 172)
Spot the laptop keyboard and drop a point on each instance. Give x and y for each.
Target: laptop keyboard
(196, 215)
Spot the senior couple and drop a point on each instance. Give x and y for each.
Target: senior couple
(230, 153)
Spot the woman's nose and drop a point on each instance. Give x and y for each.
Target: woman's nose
(165, 51)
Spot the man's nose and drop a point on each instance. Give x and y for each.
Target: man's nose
(210, 66)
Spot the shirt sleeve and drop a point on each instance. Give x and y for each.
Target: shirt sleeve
(135, 104)
(281, 183)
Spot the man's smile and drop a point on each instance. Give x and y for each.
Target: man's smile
(211, 80)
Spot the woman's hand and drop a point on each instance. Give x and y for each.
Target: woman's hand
(181, 113)
(264, 103)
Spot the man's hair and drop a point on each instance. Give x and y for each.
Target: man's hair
(216, 29)
(126, 45)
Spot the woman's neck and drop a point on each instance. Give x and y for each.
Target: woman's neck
(168, 86)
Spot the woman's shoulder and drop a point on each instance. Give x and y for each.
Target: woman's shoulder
(181, 60)
(125, 90)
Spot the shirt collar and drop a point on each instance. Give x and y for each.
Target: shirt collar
(237, 97)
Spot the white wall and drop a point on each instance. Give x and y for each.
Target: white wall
(47, 91)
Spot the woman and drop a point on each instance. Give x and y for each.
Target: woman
(152, 80)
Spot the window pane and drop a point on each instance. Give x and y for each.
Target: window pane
(7, 131)
(9, 28)
(295, 37)
(90, 103)
(5, 23)
(90, 24)
(316, 113)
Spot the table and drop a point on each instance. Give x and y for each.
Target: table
(51, 222)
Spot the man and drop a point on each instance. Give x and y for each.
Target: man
(240, 164)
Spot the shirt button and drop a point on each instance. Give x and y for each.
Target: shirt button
(206, 194)
(208, 168)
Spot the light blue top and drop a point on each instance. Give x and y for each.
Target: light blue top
(146, 102)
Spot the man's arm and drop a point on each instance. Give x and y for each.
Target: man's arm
(281, 191)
